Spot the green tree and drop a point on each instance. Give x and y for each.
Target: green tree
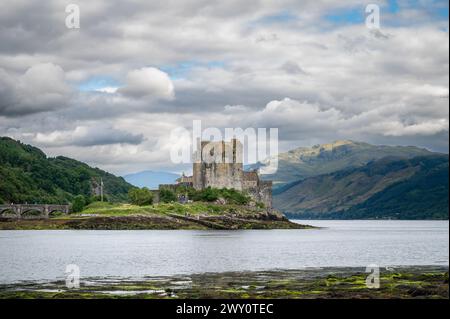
(210, 194)
(78, 203)
(140, 196)
(96, 198)
(167, 196)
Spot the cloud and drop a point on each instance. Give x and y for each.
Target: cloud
(291, 67)
(148, 83)
(245, 64)
(295, 118)
(41, 88)
(107, 89)
(88, 136)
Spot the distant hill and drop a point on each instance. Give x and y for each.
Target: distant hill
(392, 187)
(28, 175)
(304, 162)
(151, 179)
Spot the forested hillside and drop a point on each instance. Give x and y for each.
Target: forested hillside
(28, 175)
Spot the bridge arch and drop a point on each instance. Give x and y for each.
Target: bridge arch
(8, 212)
(32, 212)
(56, 212)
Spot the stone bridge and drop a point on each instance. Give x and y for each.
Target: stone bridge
(32, 211)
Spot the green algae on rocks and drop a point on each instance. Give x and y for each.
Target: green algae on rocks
(424, 282)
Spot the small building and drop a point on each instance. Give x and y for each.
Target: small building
(185, 180)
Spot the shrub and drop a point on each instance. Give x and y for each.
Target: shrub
(167, 196)
(140, 196)
(209, 194)
(96, 198)
(234, 197)
(78, 203)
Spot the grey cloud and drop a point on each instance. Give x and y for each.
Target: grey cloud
(108, 137)
(88, 136)
(41, 88)
(292, 67)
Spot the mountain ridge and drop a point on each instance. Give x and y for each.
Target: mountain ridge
(304, 162)
(151, 179)
(366, 192)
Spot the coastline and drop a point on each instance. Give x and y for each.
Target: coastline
(408, 282)
(162, 216)
(149, 222)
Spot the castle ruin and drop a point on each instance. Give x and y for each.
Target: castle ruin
(220, 165)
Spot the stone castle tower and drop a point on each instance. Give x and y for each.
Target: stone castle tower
(220, 165)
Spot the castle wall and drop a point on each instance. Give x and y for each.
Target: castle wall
(262, 193)
(218, 165)
(223, 175)
(265, 191)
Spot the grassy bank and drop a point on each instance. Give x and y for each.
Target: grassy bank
(326, 283)
(196, 215)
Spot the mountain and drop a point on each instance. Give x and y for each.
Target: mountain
(28, 175)
(151, 179)
(391, 187)
(304, 162)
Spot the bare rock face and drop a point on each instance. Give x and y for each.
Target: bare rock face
(276, 215)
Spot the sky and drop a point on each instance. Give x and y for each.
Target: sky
(111, 92)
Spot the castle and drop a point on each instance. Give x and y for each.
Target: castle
(220, 165)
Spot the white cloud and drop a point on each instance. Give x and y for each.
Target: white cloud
(148, 83)
(108, 89)
(429, 128)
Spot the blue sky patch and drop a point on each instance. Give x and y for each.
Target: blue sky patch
(182, 69)
(354, 15)
(436, 10)
(96, 83)
(392, 6)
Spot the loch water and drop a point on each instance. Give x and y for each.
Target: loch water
(43, 255)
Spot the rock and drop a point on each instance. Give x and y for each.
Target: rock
(221, 201)
(416, 292)
(275, 215)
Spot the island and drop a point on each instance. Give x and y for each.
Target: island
(164, 216)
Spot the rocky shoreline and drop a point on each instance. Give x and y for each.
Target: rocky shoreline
(169, 221)
(422, 282)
